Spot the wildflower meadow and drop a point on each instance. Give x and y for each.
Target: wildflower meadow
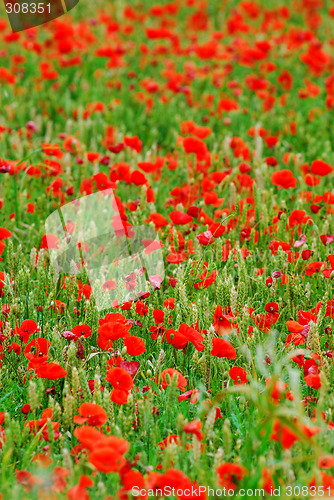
(167, 251)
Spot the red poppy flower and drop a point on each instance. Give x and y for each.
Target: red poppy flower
(42, 460)
(277, 389)
(138, 178)
(109, 285)
(91, 413)
(4, 233)
(158, 220)
(28, 327)
(194, 427)
(238, 375)
(326, 482)
(43, 424)
(195, 145)
(189, 127)
(51, 371)
(81, 330)
(326, 462)
(271, 161)
(88, 436)
(130, 366)
(175, 258)
(114, 330)
(141, 308)
(297, 217)
(58, 306)
(170, 372)
(327, 239)
(112, 318)
(271, 307)
(221, 322)
(206, 280)
(119, 396)
(172, 438)
(265, 321)
(135, 346)
(133, 143)
(30, 208)
(223, 349)
(25, 478)
(271, 141)
(52, 150)
(306, 254)
(14, 346)
(180, 218)
(217, 229)
(72, 145)
(79, 492)
(193, 395)
(119, 379)
(230, 474)
(37, 348)
(122, 382)
(313, 381)
(294, 326)
(267, 482)
(92, 156)
(49, 241)
(25, 409)
(205, 238)
(328, 272)
(283, 434)
(320, 167)
(133, 478)
(314, 267)
(107, 459)
(2, 247)
(179, 339)
(283, 179)
(168, 304)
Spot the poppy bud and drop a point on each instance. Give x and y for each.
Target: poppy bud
(31, 126)
(68, 335)
(25, 409)
(328, 330)
(306, 254)
(269, 281)
(105, 160)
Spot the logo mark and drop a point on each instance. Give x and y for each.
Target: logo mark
(91, 234)
(25, 14)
